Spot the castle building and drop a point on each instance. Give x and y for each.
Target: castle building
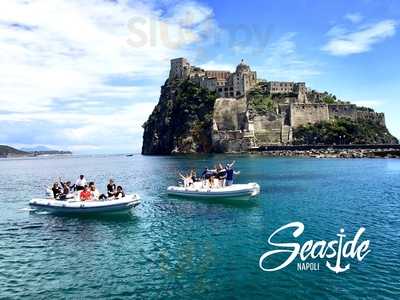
(287, 87)
(236, 84)
(225, 83)
(277, 87)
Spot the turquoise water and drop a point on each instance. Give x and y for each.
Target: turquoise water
(172, 248)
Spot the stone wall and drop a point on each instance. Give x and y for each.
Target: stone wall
(267, 129)
(371, 115)
(301, 114)
(230, 126)
(231, 141)
(230, 114)
(355, 113)
(234, 130)
(208, 83)
(342, 111)
(286, 135)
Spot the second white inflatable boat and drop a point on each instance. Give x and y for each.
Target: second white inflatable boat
(235, 191)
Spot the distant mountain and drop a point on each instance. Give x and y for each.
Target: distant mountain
(43, 150)
(36, 149)
(50, 152)
(7, 151)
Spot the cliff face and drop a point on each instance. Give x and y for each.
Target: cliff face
(182, 120)
(230, 124)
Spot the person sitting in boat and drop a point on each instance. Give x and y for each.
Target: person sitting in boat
(56, 189)
(213, 181)
(111, 188)
(80, 183)
(70, 186)
(205, 173)
(95, 192)
(208, 177)
(194, 176)
(187, 180)
(85, 194)
(230, 172)
(65, 190)
(120, 193)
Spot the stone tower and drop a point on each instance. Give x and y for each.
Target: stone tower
(180, 68)
(244, 79)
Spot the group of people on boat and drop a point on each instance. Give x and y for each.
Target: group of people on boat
(85, 191)
(219, 176)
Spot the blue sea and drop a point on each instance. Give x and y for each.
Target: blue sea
(172, 248)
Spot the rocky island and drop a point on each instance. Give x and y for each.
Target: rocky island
(213, 111)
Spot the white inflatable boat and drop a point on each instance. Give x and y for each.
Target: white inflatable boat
(236, 191)
(73, 206)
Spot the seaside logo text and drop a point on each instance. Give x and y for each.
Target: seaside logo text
(332, 250)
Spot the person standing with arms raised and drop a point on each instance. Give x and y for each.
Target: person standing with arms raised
(230, 172)
(80, 183)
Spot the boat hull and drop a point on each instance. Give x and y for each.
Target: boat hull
(86, 207)
(235, 192)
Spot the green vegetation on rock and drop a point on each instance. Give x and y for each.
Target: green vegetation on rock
(260, 102)
(343, 131)
(329, 99)
(181, 121)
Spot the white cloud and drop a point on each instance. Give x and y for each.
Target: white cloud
(337, 30)
(354, 17)
(59, 59)
(79, 131)
(190, 13)
(362, 40)
(285, 63)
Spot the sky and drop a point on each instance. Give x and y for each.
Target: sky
(85, 75)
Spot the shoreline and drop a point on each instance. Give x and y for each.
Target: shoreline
(335, 153)
(332, 151)
(313, 151)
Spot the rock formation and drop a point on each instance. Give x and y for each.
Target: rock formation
(219, 111)
(182, 120)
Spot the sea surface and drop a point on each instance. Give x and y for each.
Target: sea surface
(171, 248)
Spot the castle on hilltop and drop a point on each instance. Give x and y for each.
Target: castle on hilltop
(232, 85)
(237, 126)
(225, 83)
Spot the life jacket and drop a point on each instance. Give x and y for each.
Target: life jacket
(85, 195)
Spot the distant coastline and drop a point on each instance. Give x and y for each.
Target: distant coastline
(10, 152)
